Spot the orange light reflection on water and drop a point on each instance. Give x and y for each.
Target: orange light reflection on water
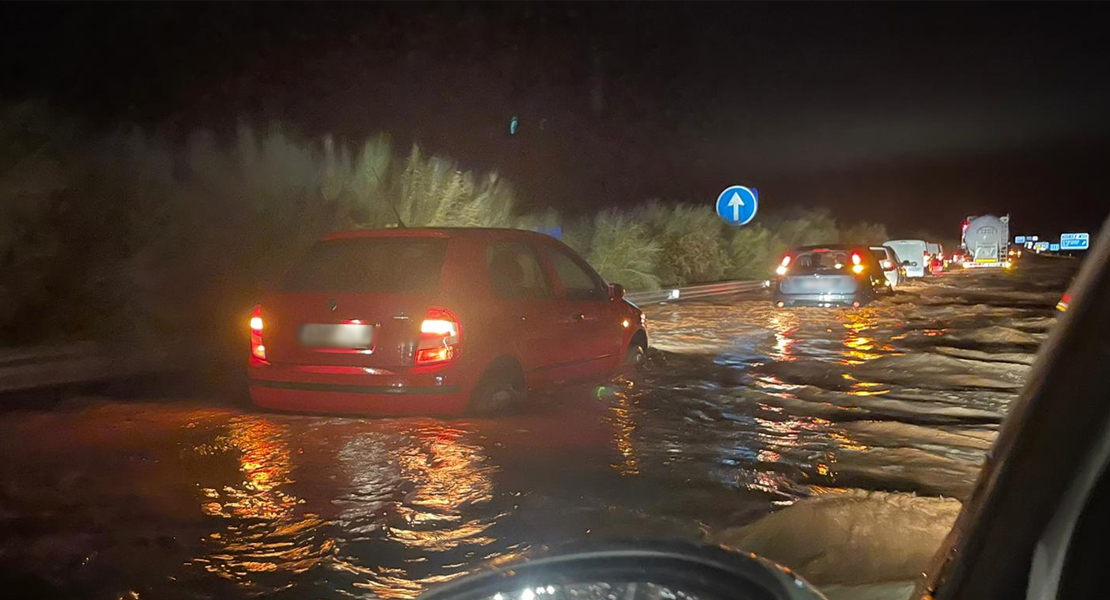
(624, 425)
(416, 488)
(860, 348)
(784, 324)
(265, 531)
(449, 474)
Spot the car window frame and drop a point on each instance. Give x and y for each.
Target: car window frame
(545, 272)
(561, 289)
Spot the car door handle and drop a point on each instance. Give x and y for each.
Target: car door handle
(520, 317)
(578, 317)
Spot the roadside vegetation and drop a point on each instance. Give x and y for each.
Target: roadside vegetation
(125, 236)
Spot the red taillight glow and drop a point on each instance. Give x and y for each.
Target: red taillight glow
(439, 337)
(258, 350)
(857, 263)
(781, 269)
(437, 327)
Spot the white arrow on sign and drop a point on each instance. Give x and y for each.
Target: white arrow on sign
(736, 202)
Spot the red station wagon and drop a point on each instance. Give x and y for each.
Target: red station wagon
(436, 321)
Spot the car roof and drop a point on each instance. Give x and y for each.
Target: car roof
(440, 232)
(830, 247)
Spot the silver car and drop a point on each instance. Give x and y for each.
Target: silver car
(838, 275)
(893, 270)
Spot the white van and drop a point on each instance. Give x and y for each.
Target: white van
(912, 254)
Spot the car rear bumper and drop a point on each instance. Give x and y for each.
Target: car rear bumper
(984, 264)
(301, 388)
(819, 299)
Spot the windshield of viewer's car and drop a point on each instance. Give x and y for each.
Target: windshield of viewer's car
(350, 300)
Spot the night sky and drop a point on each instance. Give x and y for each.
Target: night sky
(913, 115)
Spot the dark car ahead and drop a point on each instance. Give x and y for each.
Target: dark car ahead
(402, 321)
(839, 275)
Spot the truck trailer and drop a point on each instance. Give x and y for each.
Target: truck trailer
(986, 239)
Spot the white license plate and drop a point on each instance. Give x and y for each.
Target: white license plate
(326, 335)
(810, 285)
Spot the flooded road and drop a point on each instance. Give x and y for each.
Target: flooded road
(743, 410)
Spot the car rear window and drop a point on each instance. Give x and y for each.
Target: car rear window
(819, 260)
(368, 265)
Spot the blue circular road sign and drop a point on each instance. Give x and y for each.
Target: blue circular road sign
(737, 205)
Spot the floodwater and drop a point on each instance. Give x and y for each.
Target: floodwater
(745, 413)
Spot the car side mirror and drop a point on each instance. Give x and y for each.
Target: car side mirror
(905, 263)
(616, 291)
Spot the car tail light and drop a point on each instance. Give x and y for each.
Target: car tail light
(781, 270)
(1062, 305)
(439, 337)
(258, 350)
(857, 263)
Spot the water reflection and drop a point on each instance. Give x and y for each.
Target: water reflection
(620, 417)
(265, 533)
(861, 347)
(407, 495)
(783, 324)
(418, 495)
(449, 475)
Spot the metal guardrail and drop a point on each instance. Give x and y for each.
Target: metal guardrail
(82, 362)
(695, 291)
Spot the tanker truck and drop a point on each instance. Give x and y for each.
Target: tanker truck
(985, 241)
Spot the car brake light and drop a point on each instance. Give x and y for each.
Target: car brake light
(781, 269)
(439, 337)
(258, 350)
(857, 267)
